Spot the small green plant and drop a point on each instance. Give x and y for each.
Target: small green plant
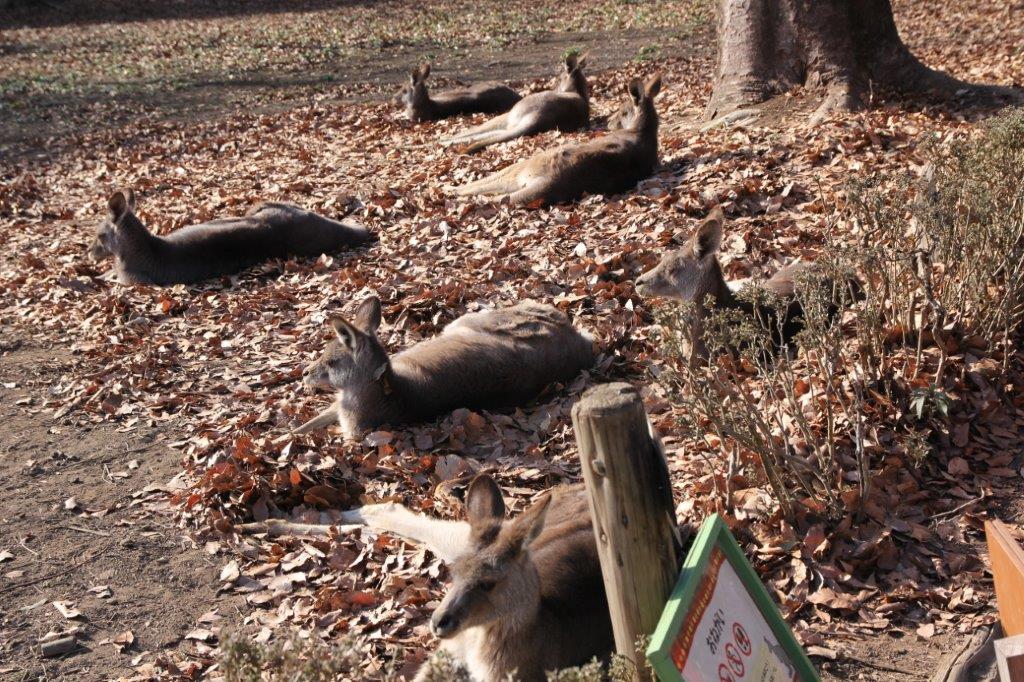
(930, 401)
(647, 53)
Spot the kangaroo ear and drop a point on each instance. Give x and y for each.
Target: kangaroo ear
(653, 86)
(424, 71)
(121, 203)
(529, 524)
(484, 502)
(635, 90)
(708, 238)
(367, 317)
(581, 61)
(571, 62)
(348, 336)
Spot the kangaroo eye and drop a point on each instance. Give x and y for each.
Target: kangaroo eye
(487, 585)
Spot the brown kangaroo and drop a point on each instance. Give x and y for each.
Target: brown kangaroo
(609, 164)
(486, 98)
(566, 108)
(526, 594)
(693, 273)
(487, 360)
(219, 247)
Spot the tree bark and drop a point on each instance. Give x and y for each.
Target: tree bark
(841, 48)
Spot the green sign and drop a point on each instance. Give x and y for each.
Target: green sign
(720, 624)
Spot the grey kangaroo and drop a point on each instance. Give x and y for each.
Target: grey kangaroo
(219, 247)
(487, 360)
(609, 164)
(486, 98)
(565, 108)
(526, 594)
(693, 274)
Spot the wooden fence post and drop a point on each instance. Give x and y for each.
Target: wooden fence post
(632, 510)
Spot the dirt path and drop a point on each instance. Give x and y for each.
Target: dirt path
(110, 557)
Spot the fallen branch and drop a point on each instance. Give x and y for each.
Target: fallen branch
(954, 510)
(90, 531)
(55, 574)
(877, 666)
(976, 650)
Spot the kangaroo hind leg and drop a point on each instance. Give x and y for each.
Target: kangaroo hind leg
(447, 539)
(525, 127)
(536, 188)
(502, 182)
(485, 128)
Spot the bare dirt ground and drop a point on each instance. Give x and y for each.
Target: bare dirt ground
(80, 525)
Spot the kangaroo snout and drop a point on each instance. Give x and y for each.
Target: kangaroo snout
(643, 286)
(97, 251)
(443, 624)
(315, 378)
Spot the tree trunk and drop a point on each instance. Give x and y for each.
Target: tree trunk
(841, 48)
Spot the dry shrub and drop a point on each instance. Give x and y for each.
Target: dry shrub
(795, 420)
(301, 658)
(940, 270)
(296, 658)
(943, 259)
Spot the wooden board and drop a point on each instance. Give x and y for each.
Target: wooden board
(1010, 658)
(720, 624)
(1007, 559)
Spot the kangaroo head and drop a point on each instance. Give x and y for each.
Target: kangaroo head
(414, 95)
(496, 579)
(573, 79)
(110, 235)
(637, 112)
(354, 359)
(692, 272)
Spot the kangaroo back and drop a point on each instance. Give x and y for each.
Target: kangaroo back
(497, 359)
(304, 233)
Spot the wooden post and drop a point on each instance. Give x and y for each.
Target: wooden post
(632, 510)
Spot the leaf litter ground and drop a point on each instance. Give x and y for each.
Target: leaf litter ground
(217, 367)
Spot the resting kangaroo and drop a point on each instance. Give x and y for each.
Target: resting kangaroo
(526, 594)
(487, 360)
(693, 273)
(219, 247)
(609, 164)
(486, 98)
(566, 108)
